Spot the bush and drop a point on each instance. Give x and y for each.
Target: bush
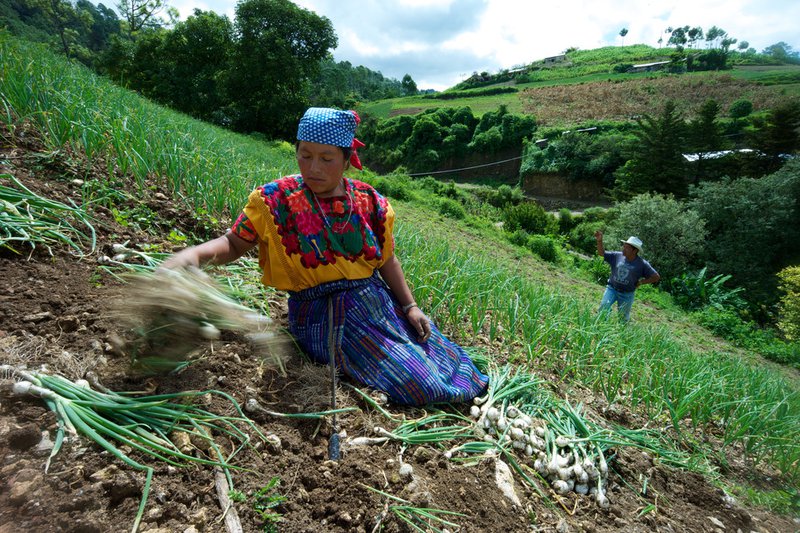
(789, 317)
(519, 237)
(394, 187)
(740, 108)
(597, 269)
(673, 235)
(545, 247)
(694, 291)
(565, 221)
(729, 325)
(726, 323)
(451, 208)
(430, 183)
(531, 217)
(449, 190)
(504, 196)
(598, 214)
(581, 237)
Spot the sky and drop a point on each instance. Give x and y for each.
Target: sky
(442, 42)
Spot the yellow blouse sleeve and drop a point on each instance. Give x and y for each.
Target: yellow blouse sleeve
(387, 250)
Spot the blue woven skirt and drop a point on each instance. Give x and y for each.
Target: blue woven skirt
(376, 346)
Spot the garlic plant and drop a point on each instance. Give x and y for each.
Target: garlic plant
(172, 313)
(558, 455)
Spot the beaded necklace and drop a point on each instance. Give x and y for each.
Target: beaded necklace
(341, 225)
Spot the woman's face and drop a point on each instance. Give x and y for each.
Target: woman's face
(322, 167)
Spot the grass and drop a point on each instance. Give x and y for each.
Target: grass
(471, 284)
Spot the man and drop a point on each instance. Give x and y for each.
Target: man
(628, 272)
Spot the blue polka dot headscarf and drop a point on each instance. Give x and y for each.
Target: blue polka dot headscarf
(331, 126)
(327, 126)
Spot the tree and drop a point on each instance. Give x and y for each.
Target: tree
(657, 163)
(196, 54)
(782, 52)
(713, 34)
(679, 37)
(622, 33)
(141, 14)
(277, 50)
(704, 135)
(105, 23)
(579, 156)
(740, 108)
(68, 22)
(116, 61)
(344, 86)
(427, 134)
(148, 67)
(409, 85)
(694, 35)
(753, 228)
(725, 44)
(779, 134)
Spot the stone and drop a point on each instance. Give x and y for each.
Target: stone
(716, 522)
(504, 479)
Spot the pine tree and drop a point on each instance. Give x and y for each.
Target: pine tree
(657, 164)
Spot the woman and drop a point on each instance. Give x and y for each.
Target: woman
(328, 241)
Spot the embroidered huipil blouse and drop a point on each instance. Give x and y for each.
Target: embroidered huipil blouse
(304, 240)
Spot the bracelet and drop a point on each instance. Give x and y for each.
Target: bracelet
(407, 307)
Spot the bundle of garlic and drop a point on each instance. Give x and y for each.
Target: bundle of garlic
(123, 253)
(559, 456)
(172, 313)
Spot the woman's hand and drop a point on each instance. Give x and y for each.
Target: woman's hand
(420, 323)
(184, 258)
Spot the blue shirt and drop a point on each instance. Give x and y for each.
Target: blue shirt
(625, 274)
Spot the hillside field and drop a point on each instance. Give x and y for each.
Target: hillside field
(683, 432)
(615, 97)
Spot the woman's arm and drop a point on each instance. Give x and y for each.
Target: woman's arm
(219, 251)
(392, 274)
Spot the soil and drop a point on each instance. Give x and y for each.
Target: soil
(58, 310)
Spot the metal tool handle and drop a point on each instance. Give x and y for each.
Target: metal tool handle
(333, 444)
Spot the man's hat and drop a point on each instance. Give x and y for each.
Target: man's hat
(636, 242)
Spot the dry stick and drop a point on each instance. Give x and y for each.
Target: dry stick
(232, 523)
